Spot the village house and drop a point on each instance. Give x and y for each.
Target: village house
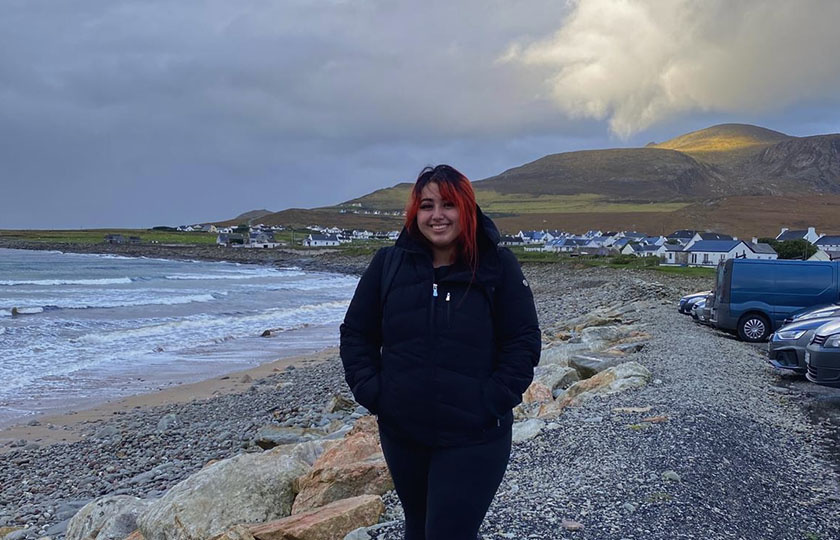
(535, 237)
(511, 241)
(810, 235)
(261, 239)
(229, 239)
(673, 254)
(114, 239)
(210, 228)
(828, 243)
(321, 240)
(713, 252)
(708, 237)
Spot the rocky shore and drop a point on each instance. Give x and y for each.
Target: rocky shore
(641, 424)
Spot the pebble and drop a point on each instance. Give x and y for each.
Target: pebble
(715, 386)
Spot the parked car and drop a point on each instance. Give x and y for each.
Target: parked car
(822, 356)
(787, 344)
(814, 312)
(701, 310)
(754, 297)
(688, 300)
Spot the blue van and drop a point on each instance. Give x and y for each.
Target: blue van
(753, 297)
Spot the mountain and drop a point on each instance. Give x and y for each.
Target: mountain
(689, 181)
(725, 144)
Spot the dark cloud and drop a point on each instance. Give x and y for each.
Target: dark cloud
(131, 113)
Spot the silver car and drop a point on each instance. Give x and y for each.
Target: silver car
(786, 349)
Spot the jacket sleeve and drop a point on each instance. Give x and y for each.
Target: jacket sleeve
(518, 339)
(361, 336)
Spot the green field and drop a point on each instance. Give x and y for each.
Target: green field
(97, 236)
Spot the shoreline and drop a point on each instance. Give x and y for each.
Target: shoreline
(318, 260)
(169, 390)
(726, 438)
(56, 428)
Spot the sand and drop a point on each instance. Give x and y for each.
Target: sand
(65, 427)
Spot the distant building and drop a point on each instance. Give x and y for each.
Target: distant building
(321, 240)
(828, 243)
(713, 252)
(114, 239)
(810, 235)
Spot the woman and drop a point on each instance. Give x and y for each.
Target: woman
(440, 341)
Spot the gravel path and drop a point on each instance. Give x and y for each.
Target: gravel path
(738, 457)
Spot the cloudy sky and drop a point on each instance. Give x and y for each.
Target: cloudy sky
(147, 112)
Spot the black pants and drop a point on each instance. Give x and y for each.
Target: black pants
(445, 492)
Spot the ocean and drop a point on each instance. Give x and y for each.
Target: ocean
(81, 329)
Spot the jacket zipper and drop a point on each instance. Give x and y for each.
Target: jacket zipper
(448, 297)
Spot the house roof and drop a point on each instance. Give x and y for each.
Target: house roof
(683, 233)
(634, 234)
(649, 247)
(673, 247)
(828, 241)
(621, 242)
(716, 246)
(324, 237)
(764, 249)
(792, 235)
(714, 236)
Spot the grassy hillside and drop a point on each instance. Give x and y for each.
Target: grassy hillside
(724, 144)
(697, 180)
(632, 174)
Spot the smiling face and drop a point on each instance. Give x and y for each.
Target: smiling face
(439, 222)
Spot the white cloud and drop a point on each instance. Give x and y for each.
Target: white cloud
(639, 62)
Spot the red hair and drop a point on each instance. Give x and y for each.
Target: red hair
(456, 188)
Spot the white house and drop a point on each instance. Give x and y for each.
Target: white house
(507, 240)
(828, 243)
(762, 251)
(810, 235)
(672, 253)
(535, 237)
(321, 240)
(707, 236)
(712, 252)
(821, 255)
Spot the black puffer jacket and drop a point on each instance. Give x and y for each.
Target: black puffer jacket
(442, 363)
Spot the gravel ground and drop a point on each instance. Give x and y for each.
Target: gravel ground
(746, 451)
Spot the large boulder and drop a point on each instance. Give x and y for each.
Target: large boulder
(610, 381)
(560, 353)
(555, 375)
(112, 517)
(537, 392)
(600, 337)
(528, 429)
(355, 466)
(333, 521)
(588, 365)
(248, 488)
(272, 435)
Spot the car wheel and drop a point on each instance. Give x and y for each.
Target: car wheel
(753, 328)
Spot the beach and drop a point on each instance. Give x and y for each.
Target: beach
(735, 451)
